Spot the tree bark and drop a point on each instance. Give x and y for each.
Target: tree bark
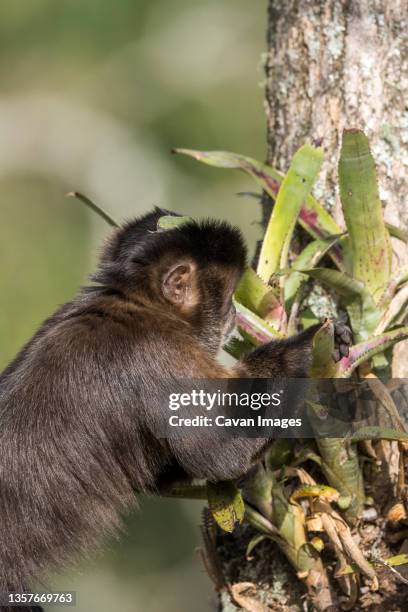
(330, 65)
(338, 64)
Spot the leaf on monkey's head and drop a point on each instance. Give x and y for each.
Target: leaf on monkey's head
(168, 222)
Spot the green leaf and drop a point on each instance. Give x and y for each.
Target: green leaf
(226, 504)
(260, 522)
(394, 561)
(369, 238)
(396, 311)
(253, 543)
(290, 521)
(308, 318)
(307, 556)
(168, 222)
(398, 277)
(296, 185)
(254, 294)
(257, 490)
(288, 518)
(279, 453)
(363, 313)
(253, 328)
(377, 433)
(313, 217)
(397, 232)
(267, 177)
(323, 364)
(341, 467)
(364, 351)
(308, 258)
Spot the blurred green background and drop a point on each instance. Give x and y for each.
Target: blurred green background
(93, 95)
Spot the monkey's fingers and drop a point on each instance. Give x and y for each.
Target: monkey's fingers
(342, 340)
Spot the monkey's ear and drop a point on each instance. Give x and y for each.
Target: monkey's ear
(179, 284)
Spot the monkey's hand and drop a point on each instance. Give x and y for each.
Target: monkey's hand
(342, 340)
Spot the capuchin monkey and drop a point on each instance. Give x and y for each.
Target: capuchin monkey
(77, 423)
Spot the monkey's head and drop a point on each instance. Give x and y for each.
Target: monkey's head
(191, 270)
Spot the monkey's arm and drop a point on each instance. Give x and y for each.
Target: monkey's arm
(210, 454)
(215, 456)
(291, 357)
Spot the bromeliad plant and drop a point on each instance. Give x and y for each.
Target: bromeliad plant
(270, 303)
(309, 496)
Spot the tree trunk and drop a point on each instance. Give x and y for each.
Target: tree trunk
(330, 65)
(338, 64)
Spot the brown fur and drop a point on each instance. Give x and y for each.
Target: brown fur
(77, 411)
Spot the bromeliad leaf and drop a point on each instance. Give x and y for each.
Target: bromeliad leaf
(253, 328)
(308, 258)
(313, 217)
(253, 543)
(378, 433)
(323, 346)
(341, 467)
(290, 521)
(260, 298)
(397, 232)
(399, 277)
(366, 350)
(254, 294)
(396, 311)
(369, 238)
(226, 504)
(295, 187)
(267, 177)
(394, 561)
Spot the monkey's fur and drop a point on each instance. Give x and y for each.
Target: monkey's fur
(77, 427)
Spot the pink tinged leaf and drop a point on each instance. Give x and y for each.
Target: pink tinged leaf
(296, 185)
(253, 327)
(364, 351)
(313, 217)
(260, 298)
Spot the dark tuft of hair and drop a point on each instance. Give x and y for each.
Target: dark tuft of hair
(133, 231)
(140, 242)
